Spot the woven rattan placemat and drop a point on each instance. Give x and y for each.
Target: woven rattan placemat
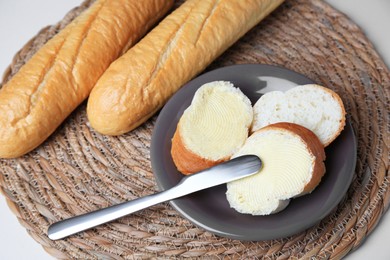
(77, 170)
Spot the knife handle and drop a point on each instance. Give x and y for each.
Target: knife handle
(89, 220)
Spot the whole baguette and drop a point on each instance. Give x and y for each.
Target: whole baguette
(62, 73)
(139, 83)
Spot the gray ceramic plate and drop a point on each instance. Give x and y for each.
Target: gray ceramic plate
(209, 209)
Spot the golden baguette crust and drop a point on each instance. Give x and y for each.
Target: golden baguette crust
(314, 146)
(62, 73)
(181, 46)
(185, 160)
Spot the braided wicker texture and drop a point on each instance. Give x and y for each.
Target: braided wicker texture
(78, 170)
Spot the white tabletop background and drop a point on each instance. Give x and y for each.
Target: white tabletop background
(20, 20)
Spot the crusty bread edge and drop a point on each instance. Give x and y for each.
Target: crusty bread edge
(185, 160)
(343, 118)
(343, 112)
(313, 145)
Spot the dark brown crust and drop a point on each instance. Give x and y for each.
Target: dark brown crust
(315, 147)
(186, 161)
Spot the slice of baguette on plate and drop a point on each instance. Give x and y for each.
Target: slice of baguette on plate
(315, 107)
(212, 128)
(293, 165)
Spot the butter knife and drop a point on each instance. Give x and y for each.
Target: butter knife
(234, 169)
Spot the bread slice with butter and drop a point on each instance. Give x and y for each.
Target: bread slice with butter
(212, 128)
(293, 165)
(315, 107)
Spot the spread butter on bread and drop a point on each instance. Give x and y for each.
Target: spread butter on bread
(61, 74)
(315, 107)
(212, 128)
(293, 165)
(140, 82)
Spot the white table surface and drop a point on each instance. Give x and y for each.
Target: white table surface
(20, 20)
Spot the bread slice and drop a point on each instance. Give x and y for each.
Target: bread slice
(212, 128)
(293, 165)
(315, 107)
